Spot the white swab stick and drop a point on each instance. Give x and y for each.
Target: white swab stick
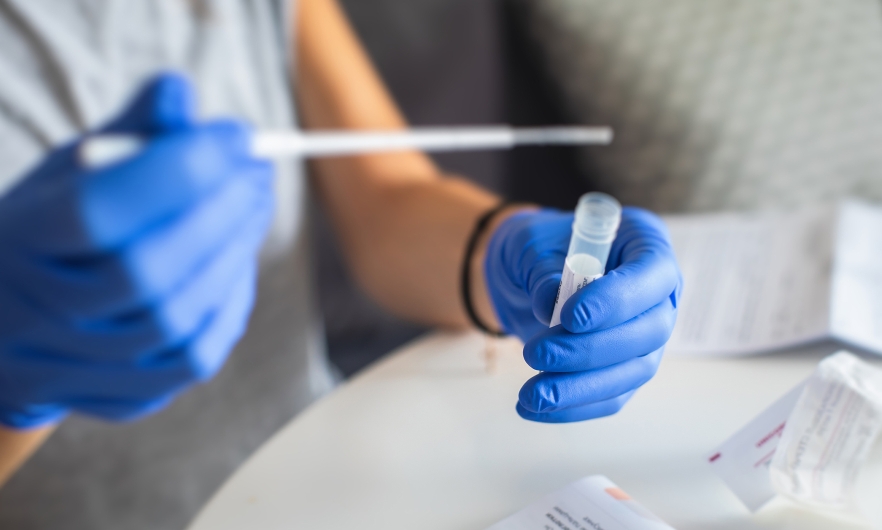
(317, 144)
(105, 149)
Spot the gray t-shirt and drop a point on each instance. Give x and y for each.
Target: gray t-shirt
(67, 66)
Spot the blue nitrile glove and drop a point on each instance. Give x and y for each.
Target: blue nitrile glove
(612, 332)
(123, 285)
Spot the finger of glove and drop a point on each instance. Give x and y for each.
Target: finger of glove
(205, 356)
(648, 274)
(165, 103)
(523, 266)
(103, 210)
(544, 291)
(48, 379)
(557, 350)
(529, 328)
(544, 261)
(160, 325)
(586, 412)
(158, 262)
(550, 391)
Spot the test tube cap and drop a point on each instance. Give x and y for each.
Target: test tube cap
(598, 216)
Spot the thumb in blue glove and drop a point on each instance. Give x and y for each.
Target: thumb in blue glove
(612, 331)
(121, 286)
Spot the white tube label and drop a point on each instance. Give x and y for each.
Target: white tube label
(572, 281)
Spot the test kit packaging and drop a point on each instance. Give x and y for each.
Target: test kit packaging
(592, 503)
(809, 445)
(743, 460)
(829, 434)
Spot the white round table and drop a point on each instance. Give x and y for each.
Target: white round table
(429, 439)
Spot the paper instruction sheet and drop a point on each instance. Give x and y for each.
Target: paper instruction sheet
(757, 282)
(592, 503)
(856, 305)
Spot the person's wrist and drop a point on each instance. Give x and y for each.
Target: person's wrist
(481, 299)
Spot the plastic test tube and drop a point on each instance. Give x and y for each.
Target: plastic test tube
(597, 220)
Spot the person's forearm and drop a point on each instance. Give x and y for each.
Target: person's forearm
(16, 447)
(403, 225)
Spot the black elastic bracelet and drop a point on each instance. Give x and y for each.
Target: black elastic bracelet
(466, 271)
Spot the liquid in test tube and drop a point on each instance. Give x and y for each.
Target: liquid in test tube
(596, 223)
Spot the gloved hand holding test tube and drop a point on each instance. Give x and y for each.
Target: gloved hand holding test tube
(612, 332)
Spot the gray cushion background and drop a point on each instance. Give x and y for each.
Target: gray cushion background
(721, 104)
